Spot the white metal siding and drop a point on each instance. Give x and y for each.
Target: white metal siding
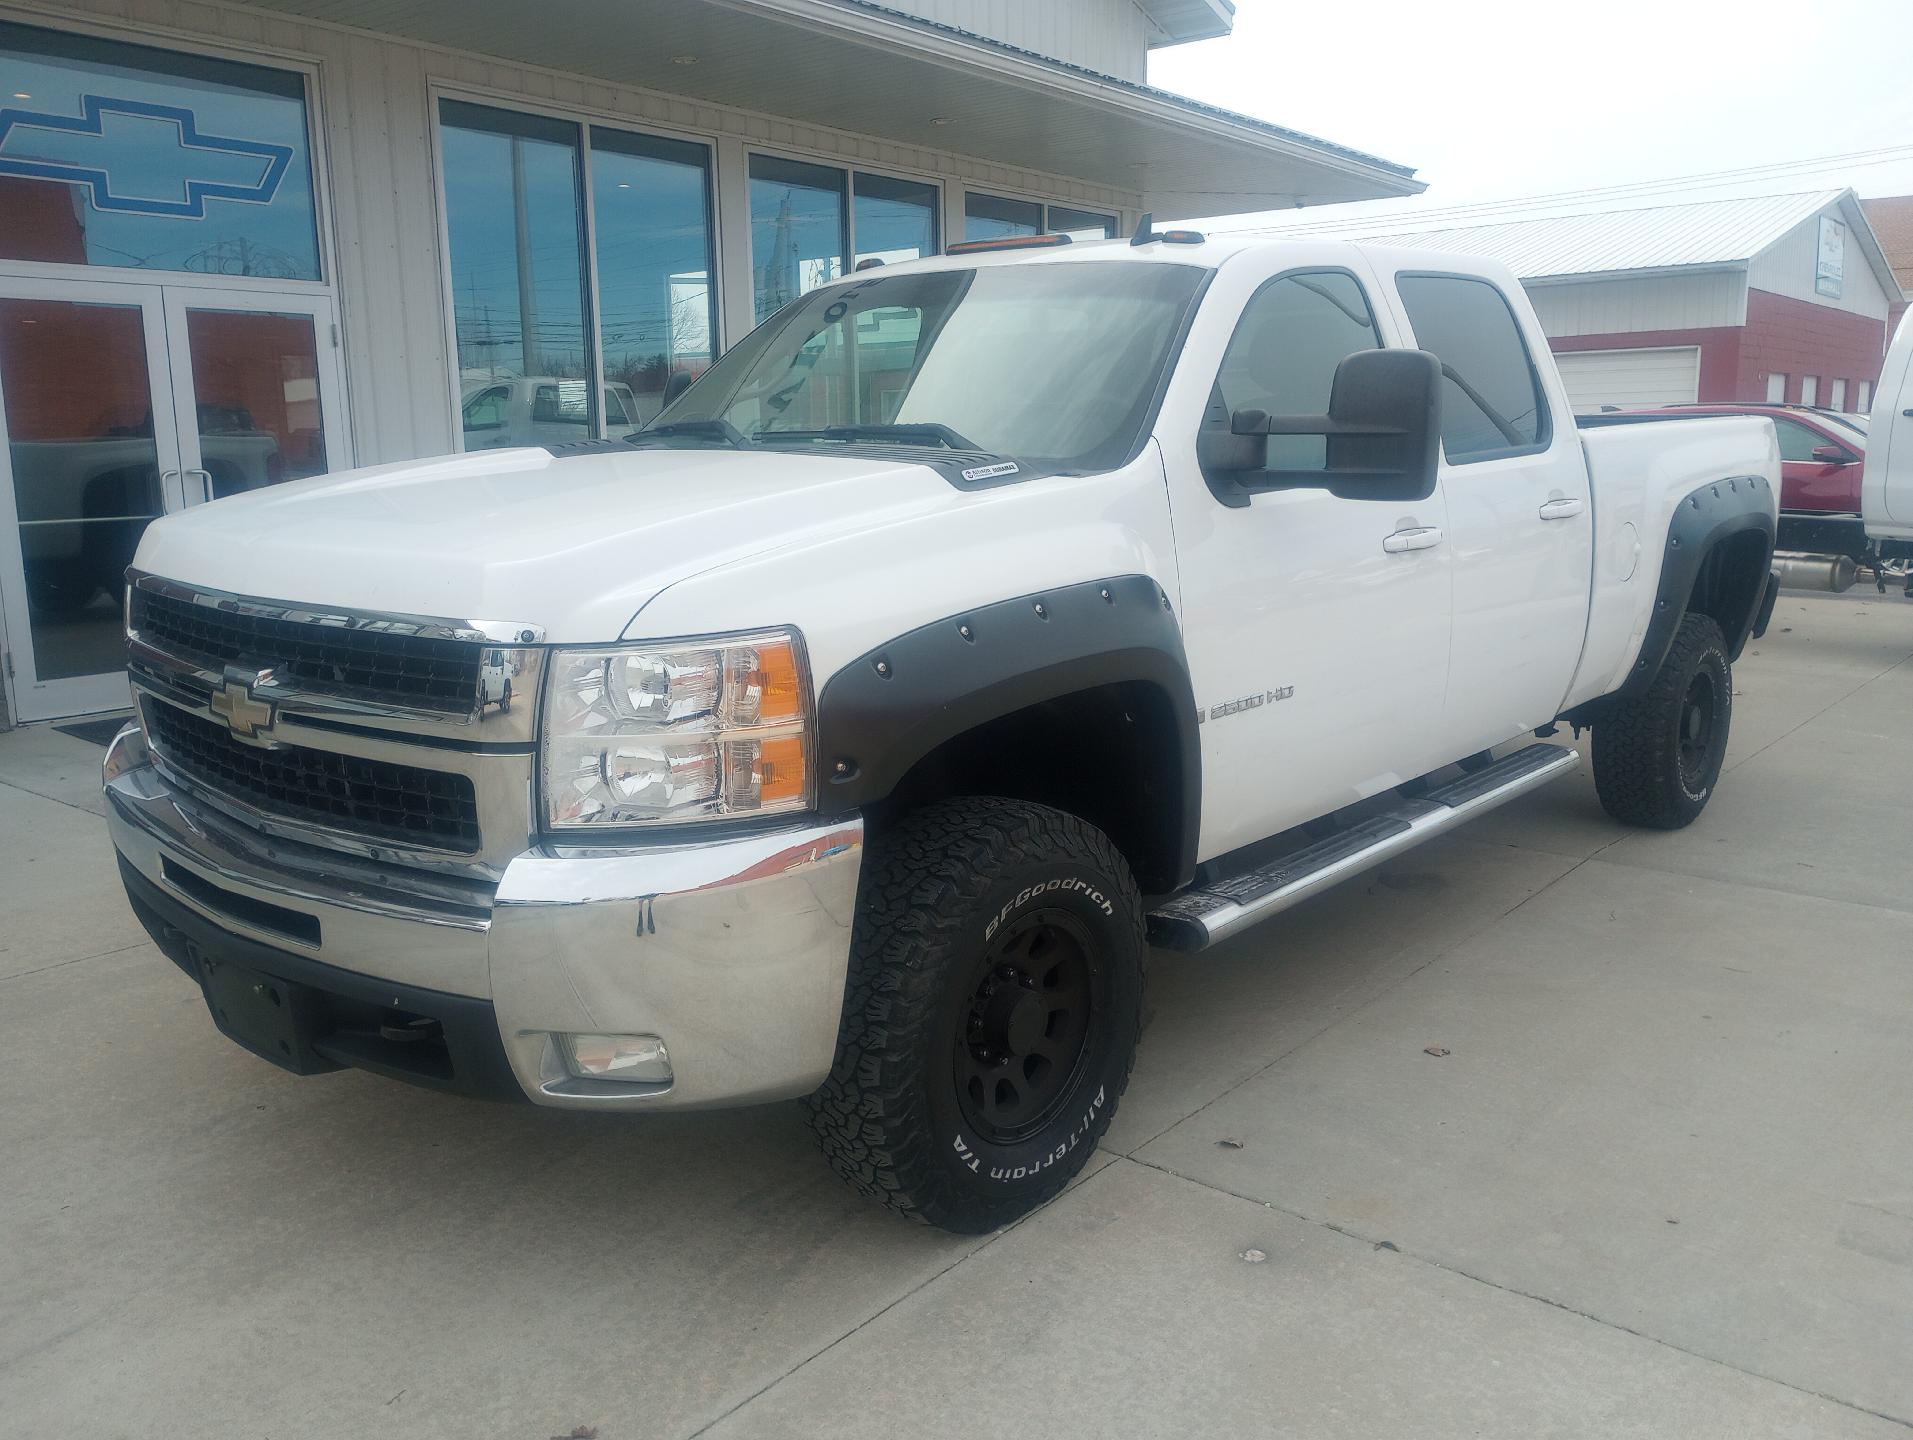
(1107, 35)
(375, 102)
(1630, 378)
(1701, 300)
(1787, 268)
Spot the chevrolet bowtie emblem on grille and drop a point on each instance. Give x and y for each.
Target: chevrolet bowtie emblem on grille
(234, 702)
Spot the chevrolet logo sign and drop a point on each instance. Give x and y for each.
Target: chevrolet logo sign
(234, 702)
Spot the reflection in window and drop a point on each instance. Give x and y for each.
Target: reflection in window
(1081, 224)
(149, 159)
(895, 220)
(256, 381)
(991, 217)
(652, 207)
(514, 216)
(85, 468)
(997, 217)
(797, 229)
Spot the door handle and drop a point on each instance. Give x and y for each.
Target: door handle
(1427, 537)
(1565, 509)
(205, 480)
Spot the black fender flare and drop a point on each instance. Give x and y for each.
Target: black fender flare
(1714, 513)
(885, 711)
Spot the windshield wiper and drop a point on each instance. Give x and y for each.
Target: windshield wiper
(921, 433)
(699, 429)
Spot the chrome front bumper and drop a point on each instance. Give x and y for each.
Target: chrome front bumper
(733, 952)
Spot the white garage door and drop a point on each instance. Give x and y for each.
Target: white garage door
(1630, 378)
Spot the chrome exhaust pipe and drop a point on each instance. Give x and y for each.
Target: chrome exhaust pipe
(1816, 572)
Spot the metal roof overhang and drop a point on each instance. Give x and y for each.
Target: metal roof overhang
(1181, 20)
(862, 68)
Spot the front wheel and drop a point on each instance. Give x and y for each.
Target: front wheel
(1657, 755)
(991, 1015)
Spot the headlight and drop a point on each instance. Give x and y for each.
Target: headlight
(636, 734)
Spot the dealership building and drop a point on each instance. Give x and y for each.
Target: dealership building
(242, 244)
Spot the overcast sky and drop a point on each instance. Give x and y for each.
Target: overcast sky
(1497, 99)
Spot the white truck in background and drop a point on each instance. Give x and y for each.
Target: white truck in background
(509, 410)
(970, 626)
(1886, 487)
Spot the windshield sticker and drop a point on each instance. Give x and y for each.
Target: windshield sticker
(990, 472)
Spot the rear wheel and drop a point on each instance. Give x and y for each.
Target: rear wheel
(991, 1014)
(1657, 755)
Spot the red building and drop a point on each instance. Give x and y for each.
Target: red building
(1891, 217)
(1772, 297)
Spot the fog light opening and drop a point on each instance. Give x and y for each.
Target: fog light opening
(626, 1059)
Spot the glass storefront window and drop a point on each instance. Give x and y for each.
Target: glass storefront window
(991, 217)
(1081, 224)
(797, 229)
(651, 203)
(997, 217)
(894, 220)
(515, 220)
(121, 155)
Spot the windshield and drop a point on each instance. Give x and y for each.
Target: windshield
(1055, 366)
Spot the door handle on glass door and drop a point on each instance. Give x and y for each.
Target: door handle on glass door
(1426, 537)
(205, 482)
(1560, 509)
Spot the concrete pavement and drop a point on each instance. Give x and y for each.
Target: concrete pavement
(1660, 1185)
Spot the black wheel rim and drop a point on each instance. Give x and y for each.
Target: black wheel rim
(1698, 713)
(1025, 1034)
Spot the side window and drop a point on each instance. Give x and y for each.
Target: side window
(1282, 358)
(1797, 442)
(1491, 401)
(486, 410)
(560, 404)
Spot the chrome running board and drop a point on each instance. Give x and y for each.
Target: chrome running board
(1197, 918)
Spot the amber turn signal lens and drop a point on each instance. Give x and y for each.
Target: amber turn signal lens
(780, 769)
(782, 692)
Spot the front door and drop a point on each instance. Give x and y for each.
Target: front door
(120, 403)
(1316, 626)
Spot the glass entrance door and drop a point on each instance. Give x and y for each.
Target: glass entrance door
(120, 403)
(90, 456)
(259, 389)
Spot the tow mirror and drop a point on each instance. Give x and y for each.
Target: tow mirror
(1383, 429)
(1832, 455)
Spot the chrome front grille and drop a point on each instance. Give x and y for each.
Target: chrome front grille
(371, 798)
(407, 738)
(383, 666)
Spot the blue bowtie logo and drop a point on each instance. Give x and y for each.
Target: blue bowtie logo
(165, 165)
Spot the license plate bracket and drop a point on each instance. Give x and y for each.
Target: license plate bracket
(273, 1018)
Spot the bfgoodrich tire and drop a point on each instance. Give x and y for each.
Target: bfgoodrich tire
(991, 1015)
(1657, 756)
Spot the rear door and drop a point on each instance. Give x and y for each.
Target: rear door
(1520, 518)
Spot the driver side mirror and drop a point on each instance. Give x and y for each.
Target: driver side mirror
(1383, 429)
(1832, 455)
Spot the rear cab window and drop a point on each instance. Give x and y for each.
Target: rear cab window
(1493, 405)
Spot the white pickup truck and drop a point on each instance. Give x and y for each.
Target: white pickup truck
(970, 626)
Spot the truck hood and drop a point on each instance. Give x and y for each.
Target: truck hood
(576, 546)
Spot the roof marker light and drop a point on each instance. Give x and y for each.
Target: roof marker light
(1007, 242)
